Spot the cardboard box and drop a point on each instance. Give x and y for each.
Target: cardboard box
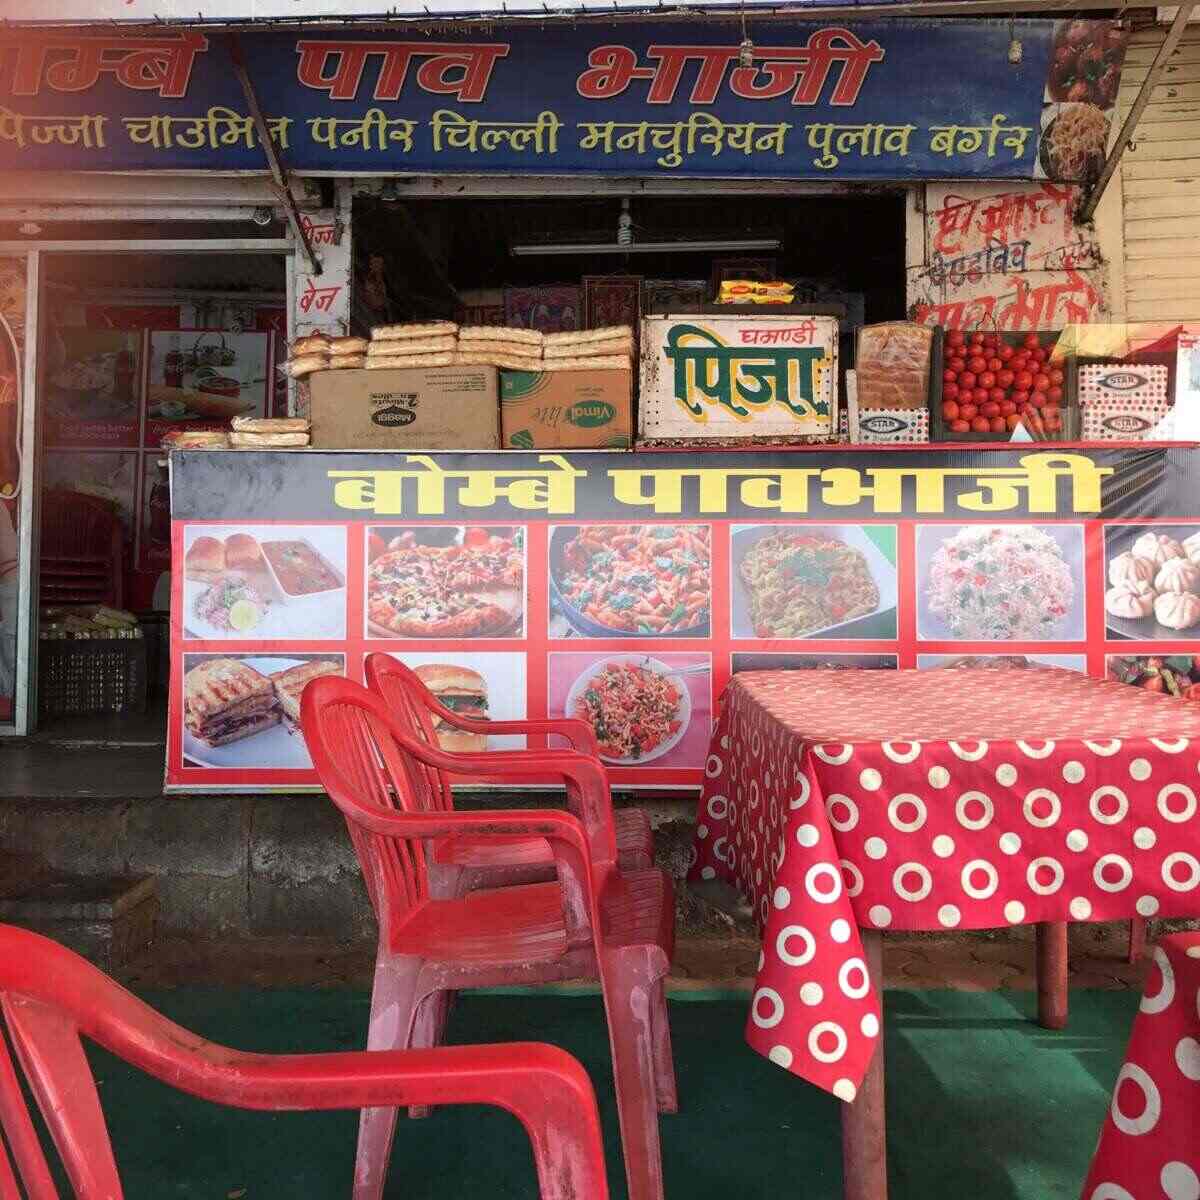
(566, 410)
(442, 408)
(883, 426)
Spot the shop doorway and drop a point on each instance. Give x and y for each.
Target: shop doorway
(546, 261)
(132, 345)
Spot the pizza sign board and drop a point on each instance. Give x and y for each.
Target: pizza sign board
(738, 377)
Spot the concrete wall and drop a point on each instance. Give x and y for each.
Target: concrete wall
(250, 866)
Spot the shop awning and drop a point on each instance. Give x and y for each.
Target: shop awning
(242, 12)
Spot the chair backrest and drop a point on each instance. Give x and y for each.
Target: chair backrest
(81, 556)
(411, 702)
(348, 731)
(50, 998)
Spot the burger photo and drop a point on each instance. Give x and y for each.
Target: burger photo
(463, 692)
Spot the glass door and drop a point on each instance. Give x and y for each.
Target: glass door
(18, 303)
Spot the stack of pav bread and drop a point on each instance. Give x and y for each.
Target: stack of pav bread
(607, 349)
(412, 346)
(320, 352)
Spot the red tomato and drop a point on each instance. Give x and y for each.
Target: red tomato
(976, 339)
(1005, 379)
(1031, 341)
(955, 338)
(987, 379)
(1052, 410)
(1040, 355)
(1054, 395)
(1006, 352)
(994, 364)
(957, 365)
(990, 409)
(1021, 397)
(998, 425)
(977, 363)
(1024, 382)
(1056, 376)
(475, 537)
(949, 410)
(949, 376)
(1037, 399)
(1053, 425)
(967, 411)
(950, 391)
(1008, 408)
(998, 395)
(980, 395)
(959, 426)
(1041, 381)
(981, 425)
(966, 381)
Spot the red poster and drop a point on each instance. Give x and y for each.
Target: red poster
(625, 590)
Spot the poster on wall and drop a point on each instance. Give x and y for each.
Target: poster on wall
(93, 386)
(201, 378)
(626, 592)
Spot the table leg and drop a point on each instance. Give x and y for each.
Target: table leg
(864, 1132)
(1137, 939)
(1052, 974)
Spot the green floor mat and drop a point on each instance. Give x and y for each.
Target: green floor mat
(982, 1104)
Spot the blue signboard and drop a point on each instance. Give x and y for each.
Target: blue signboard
(873, 100)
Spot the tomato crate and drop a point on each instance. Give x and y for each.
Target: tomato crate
(1010, 346)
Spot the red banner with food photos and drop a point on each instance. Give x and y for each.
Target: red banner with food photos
(626, 589)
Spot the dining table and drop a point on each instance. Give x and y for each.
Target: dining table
(844, 804)
(1148, 1145)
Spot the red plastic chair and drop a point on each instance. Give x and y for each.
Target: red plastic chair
(591, 922)
(50, 997)
(494, 862)
(81, 558)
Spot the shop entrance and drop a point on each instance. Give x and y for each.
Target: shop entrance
(572, 261)
(132, 346)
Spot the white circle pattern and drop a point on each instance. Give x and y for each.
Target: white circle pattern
(912, 895)
(1168, 871)
(1034, 869)
(1136, 1126)
(1161, 1000)
(1104, 818)
(788, 956)
(1164, 803)
(814, 1042)
(1029, 807)
(988, 890)
(907, 800)
(968, 799)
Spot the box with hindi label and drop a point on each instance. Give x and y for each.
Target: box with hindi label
(740, 378)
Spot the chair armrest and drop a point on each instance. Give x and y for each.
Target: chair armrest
(578, 733)
(587, 783)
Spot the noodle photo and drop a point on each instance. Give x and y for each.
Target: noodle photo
(797, 581)
(1074, 142)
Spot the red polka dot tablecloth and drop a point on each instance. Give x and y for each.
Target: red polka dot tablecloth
(1148, 1149)
(931, 800)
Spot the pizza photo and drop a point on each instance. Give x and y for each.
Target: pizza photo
(445, 582)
